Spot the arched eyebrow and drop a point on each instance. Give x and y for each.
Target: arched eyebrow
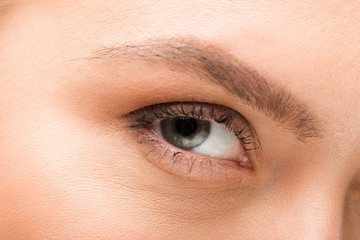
(213, 64)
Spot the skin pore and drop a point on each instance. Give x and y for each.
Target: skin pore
(78, 80)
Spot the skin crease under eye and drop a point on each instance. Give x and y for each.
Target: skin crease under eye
(190, 165)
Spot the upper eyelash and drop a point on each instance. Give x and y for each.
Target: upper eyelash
(167, 110)
(151, 114)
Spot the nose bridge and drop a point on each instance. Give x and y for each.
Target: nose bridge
(317, 214)
(316, 196)
(310, 212)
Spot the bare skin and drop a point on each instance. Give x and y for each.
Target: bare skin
(73, 167)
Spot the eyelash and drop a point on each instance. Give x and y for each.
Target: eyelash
(142, 118)
(151, 114)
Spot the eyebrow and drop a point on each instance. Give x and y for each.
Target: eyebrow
(213, 64)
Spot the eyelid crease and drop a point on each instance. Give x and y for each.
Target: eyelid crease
(211, 63)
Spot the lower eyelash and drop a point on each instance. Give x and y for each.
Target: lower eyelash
(192, 166)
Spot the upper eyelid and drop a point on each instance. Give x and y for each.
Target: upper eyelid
(179, 109)
(212, 63)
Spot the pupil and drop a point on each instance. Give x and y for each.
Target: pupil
(186, 126)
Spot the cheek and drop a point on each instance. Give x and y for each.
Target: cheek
(56, 181)
(65, 178)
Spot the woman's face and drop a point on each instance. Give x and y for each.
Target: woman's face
(180, 120)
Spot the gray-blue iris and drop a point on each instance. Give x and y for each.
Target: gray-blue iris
(185, 132)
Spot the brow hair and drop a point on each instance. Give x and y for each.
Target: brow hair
(213, 64)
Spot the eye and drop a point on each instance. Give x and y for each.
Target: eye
(199, 141)
(204, 137)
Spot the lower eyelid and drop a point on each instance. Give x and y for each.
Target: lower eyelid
(186, 164)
